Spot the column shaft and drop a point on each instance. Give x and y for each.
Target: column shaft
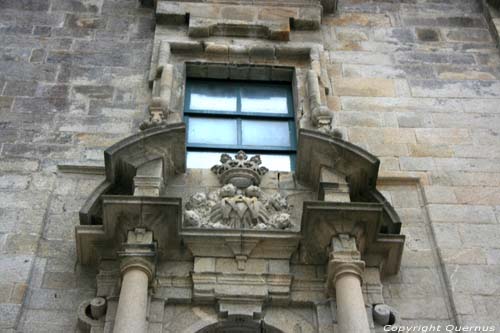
(133, 303)
(351, 312)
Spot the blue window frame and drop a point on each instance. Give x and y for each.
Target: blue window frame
(227, 116)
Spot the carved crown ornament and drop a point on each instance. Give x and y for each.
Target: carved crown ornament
(239, 203)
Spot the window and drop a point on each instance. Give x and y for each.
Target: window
(227, 116)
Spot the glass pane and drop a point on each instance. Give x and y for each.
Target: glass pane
(265, 133)
(205, 160)
(213, 97)
(276, 162)
(202, 160)
(212, 131)
(265, 99)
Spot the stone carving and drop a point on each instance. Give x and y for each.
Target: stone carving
(156, 115)
(240, 171)
(239, 203)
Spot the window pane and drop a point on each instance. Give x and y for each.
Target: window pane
(265, 133)
(213, 97)
(266, 99)
(276, 162)
(212, 131)
(205, 160)
(202, 160)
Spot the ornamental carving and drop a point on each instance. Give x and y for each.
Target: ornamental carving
(239, 203)
(240, 171)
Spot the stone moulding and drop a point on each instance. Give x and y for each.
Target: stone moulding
(174, 60)
(272, 20)
(125, 158)
(121, 214)
(323, 220)
(317, 150)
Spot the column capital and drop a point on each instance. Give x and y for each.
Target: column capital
(339, 267)
(345, 259)
(145, 264)
(139, 252)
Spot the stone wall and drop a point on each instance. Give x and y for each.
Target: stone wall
(416, 83)
(73, 80)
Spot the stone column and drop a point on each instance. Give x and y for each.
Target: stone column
(137, 269)
(345, 275)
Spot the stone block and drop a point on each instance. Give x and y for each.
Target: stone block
(27, 5)
(462, 89)
(8, 315)
(363, 58)
(21, 244)
(55, 299)
(464, 278)
(156, 311)
(427, 150)
(364, 87)
(435, 58)
(428, 34)
(398, 135)
(440, 213)
(480, 235)
(204, 265)
(439, 194)
(415, 308)
(241, 13)
(277, 13)
(447, 72)
(309, 18)
(359, 20)
(464, 256)
(14, 182)
(59, 280)
(262, 52)
(94, 91)
(279, 267)
(442, 135)
(468, 35)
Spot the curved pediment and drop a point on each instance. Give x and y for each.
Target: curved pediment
(163, 142)
(324, 163)
(318, 150)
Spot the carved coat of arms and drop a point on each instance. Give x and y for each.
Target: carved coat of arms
(239, 203)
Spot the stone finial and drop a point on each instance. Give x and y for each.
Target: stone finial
(240, 171)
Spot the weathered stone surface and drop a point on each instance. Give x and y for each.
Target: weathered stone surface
(364, 87)
(416, 83)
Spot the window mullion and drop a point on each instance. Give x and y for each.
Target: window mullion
(238, 130)
(238, 110)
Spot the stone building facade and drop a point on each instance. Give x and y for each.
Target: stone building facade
(391, 214)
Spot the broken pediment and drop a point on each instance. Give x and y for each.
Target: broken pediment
(239, 214)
